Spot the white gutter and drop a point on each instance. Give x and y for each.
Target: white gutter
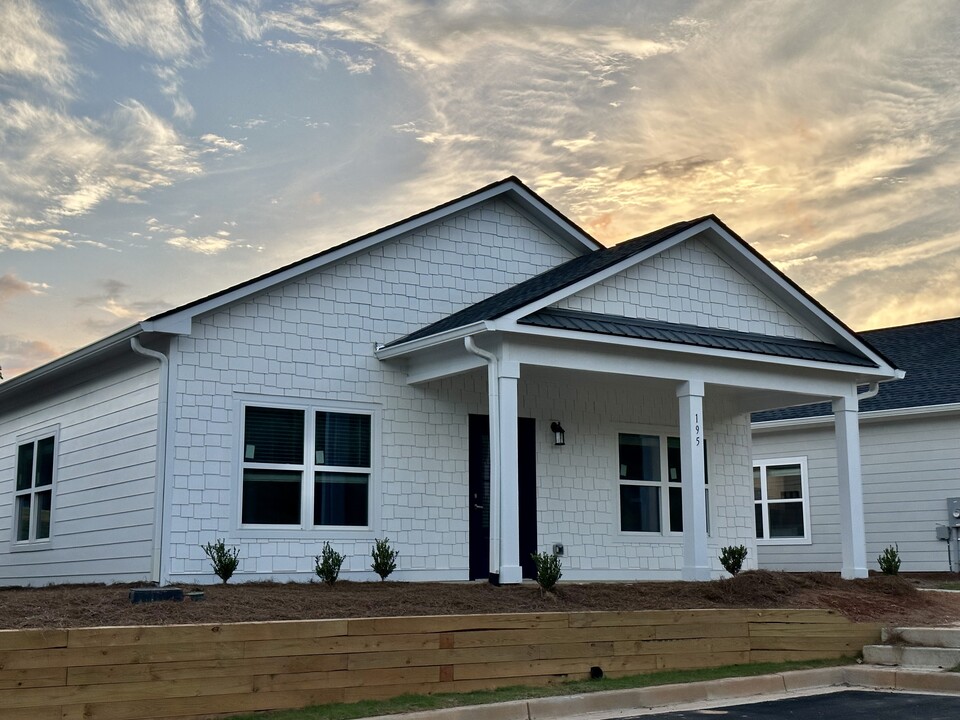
(493, 385)
(385, 353)
(870, 392)
(161, 461)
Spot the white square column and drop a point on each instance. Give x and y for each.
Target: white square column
(696, 560)
(853, 542)
(508, 497)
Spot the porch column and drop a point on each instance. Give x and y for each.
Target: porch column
(508, 557)
(696, 562)
(853, 542)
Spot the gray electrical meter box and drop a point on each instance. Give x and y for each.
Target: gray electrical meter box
(953, 512)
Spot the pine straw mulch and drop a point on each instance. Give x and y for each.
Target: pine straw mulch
(887, 600)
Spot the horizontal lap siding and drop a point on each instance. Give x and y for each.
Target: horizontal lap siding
(103, 514)
(187, 671)
(909, 466)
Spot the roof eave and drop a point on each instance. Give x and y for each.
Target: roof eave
(389, 352)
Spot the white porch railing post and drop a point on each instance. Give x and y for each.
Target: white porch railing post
(853, 544)
(696, 561)
(508, 377)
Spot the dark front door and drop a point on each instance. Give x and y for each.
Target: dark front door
(479, 429)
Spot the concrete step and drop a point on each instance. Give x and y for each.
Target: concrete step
(923, 637)
(910, 656)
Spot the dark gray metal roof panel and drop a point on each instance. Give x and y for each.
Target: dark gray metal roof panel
(548, 282)
(693, 335)
(929, 352)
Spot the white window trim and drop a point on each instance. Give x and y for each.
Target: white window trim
(665, 534)
(47, 542)
(306, 529)
(807, 538)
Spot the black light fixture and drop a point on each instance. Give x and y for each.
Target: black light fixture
(557, 429)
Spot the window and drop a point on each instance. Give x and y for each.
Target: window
(780, 496)
(650, 477)
(33, 504)
(305, 467)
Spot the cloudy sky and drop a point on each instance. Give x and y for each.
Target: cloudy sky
(154, 152)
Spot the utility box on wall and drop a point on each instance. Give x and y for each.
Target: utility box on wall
(953, 511)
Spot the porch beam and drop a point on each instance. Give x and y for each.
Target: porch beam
(508, 550)
(696, 561)
(853, 544)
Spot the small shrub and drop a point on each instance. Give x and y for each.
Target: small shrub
(328, 564)
(732, 557)
(890, 560)
(224, 560)
(548, 570)
(384, 558)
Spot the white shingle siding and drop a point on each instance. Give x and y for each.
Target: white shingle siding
(314, 339)
(910, 467)
(103, 514)
(691, 284)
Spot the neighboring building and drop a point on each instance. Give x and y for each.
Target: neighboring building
(910, 457)
(362, 393)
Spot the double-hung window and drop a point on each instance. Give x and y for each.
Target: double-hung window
(306, 467)
(650, 490)
(33, 493)
(781, 501)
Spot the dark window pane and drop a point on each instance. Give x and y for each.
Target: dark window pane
(24, 466)
(43, 514)
(271, 497)
(786, 520)
(340, 499)
(273, 435)
(783, 483)
(44, 462)
(343, 439)
(756, 485)
(639, 508)
(676, 509)
(640, 457)
(758, 518)
(673, 459)
(23, 517)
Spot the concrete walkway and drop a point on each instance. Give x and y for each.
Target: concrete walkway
(625, 703)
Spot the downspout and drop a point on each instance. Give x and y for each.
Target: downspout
(161, 462)
(871, 391)
(493, 402)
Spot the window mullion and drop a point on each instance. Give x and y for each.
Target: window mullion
(34, 509)
(309, 468)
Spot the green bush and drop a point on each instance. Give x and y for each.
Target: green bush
(548, 570)
(224, 561)
(890, 560)
(384, 558)
(732, 557)
(328, 564)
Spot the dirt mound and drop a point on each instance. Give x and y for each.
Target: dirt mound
(889, 600)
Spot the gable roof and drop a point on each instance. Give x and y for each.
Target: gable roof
(929, 352)
(851, 350)
(178, 320)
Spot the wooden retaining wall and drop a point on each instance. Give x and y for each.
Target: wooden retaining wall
(189, 671)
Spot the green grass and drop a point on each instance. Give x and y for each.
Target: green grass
(414, 703)
(948, 585)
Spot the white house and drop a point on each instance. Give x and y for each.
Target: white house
(910, 450)
(404, 385)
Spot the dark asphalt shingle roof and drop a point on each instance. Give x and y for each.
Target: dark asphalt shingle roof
(548, 282)
(692, 335)
(929, 352)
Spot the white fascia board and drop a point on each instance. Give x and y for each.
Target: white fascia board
(788, 292)
(552, 221)
(178, 321)
(601, 275)
(861, 374)
(67, 361)
(425, 343)
(868, 416)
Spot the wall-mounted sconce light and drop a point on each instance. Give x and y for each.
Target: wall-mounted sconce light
(557, 429)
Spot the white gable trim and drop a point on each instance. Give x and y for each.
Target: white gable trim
(179, 322)
(865, 416)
